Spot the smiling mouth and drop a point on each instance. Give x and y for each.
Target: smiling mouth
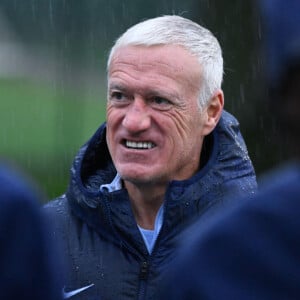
(139, 145)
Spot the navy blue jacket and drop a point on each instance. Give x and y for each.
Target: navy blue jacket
(29, 268)
(104, 249)
(252, 251)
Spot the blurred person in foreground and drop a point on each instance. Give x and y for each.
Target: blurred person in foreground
(252, 251)
(28, 262)
(166, 155)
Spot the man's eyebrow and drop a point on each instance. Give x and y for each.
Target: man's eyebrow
(170, 95)
(163, 93)
(116, 86)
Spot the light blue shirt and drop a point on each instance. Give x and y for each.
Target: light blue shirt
(115, 185)
(149, 236)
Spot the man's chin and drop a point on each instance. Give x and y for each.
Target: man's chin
(137, 179)
(141, 178)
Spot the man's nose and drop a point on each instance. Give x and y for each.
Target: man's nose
(137, 117)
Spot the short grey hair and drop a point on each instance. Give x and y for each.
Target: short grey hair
(176, 30)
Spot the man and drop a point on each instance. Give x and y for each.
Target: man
(252, 250)
(29, 266)
(166, 155)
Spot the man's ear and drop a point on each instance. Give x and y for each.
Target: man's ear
(214, 111)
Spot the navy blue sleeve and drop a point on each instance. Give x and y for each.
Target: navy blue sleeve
(250, 252)
(28, 261)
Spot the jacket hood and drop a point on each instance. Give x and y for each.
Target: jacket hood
(224, 158)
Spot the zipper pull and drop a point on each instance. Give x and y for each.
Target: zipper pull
(144, 270)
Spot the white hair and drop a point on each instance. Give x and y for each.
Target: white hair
(176, 30)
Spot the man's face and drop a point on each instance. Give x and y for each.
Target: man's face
(155, 130)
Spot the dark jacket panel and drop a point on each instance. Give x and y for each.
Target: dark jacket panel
(29, 263)
(250, 252)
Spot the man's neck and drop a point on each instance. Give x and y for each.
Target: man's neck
(145, 202)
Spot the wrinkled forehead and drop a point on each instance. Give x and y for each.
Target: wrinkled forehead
(161, 68)
(170, 58)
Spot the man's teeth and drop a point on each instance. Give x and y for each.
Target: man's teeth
(139, 145)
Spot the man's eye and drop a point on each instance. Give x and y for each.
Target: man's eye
(117, 96)
(160, 100)
(161, 103)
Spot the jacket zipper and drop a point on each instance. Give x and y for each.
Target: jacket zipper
(144, 266)
(144, 270)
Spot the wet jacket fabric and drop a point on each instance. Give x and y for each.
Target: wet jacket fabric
(105, 253)
(28, 260)
(250, 252)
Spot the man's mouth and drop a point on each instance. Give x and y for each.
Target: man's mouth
(139, 145)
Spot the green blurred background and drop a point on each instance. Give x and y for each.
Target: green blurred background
(53, 81)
